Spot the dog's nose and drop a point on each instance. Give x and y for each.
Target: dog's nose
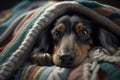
(67, 58)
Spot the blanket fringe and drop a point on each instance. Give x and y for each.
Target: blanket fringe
(90, 70)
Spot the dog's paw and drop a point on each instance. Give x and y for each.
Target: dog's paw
(42, 59)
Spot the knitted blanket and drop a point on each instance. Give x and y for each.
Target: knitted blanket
(20, 27)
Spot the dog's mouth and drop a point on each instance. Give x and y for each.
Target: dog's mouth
(67, 66)
(66, 60)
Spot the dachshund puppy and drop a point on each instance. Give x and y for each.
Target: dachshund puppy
(68, 42)
(72, 41)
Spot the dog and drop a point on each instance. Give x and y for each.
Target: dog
(69, 40)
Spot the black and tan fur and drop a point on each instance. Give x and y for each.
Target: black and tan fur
(69, 41)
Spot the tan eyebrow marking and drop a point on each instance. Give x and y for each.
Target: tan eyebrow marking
(60, 27)
(78, 27)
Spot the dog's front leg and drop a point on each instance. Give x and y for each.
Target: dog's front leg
(44, 59)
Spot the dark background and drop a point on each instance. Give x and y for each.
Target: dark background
(5, 4)
(115, 3)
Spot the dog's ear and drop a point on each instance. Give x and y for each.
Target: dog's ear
(104, 38)
(108, 40)
(42, 50)
(43, 41)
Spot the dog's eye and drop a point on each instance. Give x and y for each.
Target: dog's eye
(84, 34)
(56, 34)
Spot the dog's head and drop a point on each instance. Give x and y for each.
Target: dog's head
(70, 40)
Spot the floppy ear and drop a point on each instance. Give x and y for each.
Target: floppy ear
(43, 48)
(105, 39)
(108, 40)
(43, 43)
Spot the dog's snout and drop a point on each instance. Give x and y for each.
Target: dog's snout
(67, 58)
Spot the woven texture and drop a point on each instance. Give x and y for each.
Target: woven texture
(19, 31)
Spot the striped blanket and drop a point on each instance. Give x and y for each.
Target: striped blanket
(20, 26)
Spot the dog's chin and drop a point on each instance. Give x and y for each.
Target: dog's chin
(66, 65)
(71, 65)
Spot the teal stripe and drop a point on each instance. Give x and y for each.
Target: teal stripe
(111, 70)
(90, 4)
(59, 73)
(14, 46)
(18, 10)
(22, 4)
(45, 74)
(114, 16)
(23, 73)
(6, 24)
(41, 72)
